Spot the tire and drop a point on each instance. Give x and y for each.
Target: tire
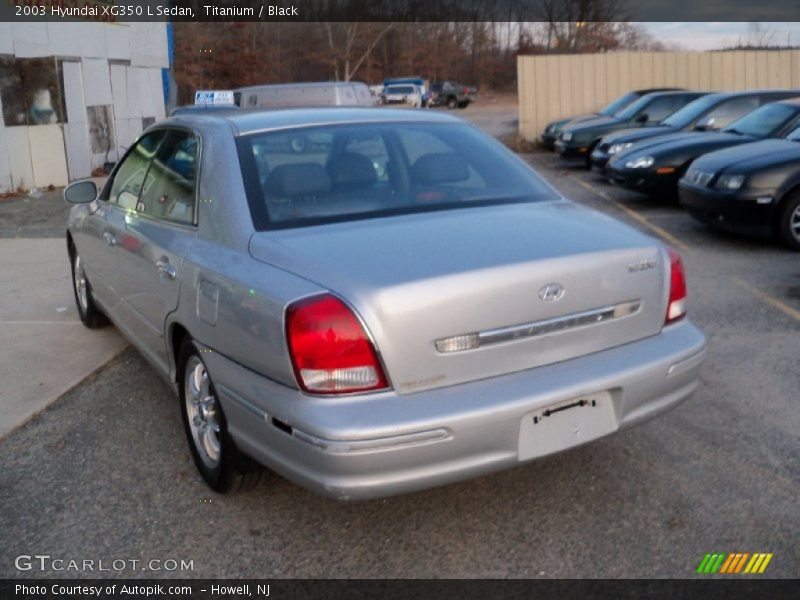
(91, 316)
(463, 104)
(221, 464)
(452, 103)
(788, 225)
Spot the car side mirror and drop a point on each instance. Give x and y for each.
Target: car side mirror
(642, 118)
(705, 124)
(80, 192)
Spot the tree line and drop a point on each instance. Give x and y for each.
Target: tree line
(230, 54)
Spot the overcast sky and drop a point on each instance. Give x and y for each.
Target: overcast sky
(707, 36)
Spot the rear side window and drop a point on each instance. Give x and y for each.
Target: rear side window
(332, 173)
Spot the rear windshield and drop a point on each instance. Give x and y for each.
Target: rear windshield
(618, 104)
(765, 121)
(317, 175)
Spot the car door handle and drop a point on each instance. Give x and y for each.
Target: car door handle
(110, 239)
(164, 268)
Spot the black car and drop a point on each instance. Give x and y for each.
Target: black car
(655, 167)
(707, 113)
(753, 188)
(577, 141)
(553, 129)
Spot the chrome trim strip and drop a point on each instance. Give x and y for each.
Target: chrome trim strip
(555, 325)
(375, 444)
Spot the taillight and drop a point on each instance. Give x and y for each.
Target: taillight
(330, 351)
(676, 306)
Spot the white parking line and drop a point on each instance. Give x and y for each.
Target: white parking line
(780, 305)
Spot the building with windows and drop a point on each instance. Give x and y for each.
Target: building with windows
(75, 95)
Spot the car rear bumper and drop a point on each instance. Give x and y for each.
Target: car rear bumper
(732, 210)
(377, 445)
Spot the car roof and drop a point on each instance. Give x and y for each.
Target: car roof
(746, 93)
(789, 101)
(675, 93)
(249, 121)
(651, 90)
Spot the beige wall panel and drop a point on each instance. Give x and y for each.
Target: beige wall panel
(750, 78)
(704, 66)
(19, 160)
(717, 75)
(564, 101)
(578, 82)
(601, 95)
(773, 70)
(624, 76)
(47, 155)
(659, 69)
(762, 69)
(613, 87)
(554, 91)
(734, 72)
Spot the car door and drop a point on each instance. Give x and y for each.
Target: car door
(155, 238)
(97, 241)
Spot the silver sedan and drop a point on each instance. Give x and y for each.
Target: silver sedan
(373, 301)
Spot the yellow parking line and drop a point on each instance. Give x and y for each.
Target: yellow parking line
(683, 246)
(781, 306)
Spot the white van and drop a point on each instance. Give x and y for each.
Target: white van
(327, 93)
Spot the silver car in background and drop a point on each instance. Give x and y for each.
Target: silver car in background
(373, 301)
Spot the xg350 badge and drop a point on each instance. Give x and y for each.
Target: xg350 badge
(551, 292)
(642, 265)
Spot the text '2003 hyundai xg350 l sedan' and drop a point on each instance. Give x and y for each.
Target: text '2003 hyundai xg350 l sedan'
(373, 301)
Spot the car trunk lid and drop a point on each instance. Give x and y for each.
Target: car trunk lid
(540, 283)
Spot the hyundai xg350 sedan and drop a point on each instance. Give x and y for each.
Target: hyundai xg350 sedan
(374, 301)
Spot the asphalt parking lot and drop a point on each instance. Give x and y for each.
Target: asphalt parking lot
(104, 473)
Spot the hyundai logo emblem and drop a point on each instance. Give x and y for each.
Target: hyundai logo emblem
(551, 292)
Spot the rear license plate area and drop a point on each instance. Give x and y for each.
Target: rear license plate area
(566, 424)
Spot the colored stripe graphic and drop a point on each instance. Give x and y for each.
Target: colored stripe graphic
(740, 564)
(734, 563)
(727, 564)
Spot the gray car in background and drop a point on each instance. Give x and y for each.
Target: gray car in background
(373, 301)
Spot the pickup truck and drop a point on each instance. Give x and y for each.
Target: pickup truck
(450, 94)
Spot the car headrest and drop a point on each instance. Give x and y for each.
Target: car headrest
(299, 179)
(444, 167)
(349, 168)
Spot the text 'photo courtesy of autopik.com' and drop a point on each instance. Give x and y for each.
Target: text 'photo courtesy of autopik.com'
(399, 299)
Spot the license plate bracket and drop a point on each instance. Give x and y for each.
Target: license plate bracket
(566, 424)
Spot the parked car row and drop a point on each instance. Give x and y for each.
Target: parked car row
(732, 159)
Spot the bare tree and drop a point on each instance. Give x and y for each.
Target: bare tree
(759, 36)
(350, 44)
